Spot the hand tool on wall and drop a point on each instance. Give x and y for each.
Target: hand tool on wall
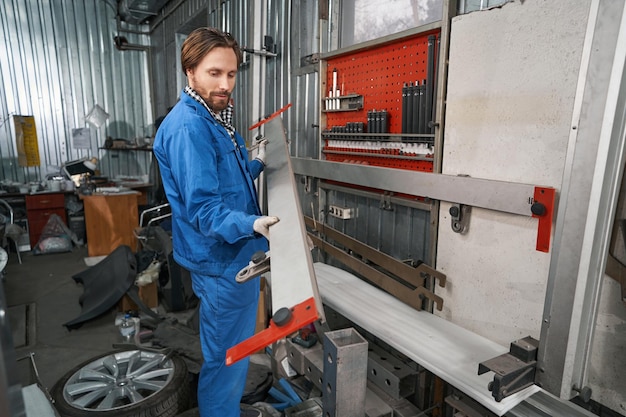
(405, 92)
(409, 107)
(417, 102)
(430, 78)
(422, 109)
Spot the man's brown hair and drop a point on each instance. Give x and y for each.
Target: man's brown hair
(202, 41)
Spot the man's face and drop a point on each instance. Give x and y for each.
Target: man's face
(214, 77)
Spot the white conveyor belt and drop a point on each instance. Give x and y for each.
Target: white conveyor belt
(445, 349)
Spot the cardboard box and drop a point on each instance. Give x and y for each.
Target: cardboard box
(147, 293)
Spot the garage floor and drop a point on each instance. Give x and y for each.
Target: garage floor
(41, 296)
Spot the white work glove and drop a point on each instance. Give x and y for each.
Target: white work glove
(261, 155)
(262, 225)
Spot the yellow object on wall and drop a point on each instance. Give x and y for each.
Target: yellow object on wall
(26, 141)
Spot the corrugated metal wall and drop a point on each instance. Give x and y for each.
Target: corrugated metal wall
(304, 36)
(178, 20)
(59, 61)
(398, 228)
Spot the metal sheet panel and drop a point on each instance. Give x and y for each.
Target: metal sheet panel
(442, 347)
(293, 278)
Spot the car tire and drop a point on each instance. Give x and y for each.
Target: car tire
(125, 383)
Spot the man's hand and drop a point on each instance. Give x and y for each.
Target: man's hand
(261, 155)
(262, 225)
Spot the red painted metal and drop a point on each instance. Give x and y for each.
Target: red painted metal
(301, 315)
(270, 117)
(545, 196)
(378, 74)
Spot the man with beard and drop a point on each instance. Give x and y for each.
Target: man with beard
(217, 224)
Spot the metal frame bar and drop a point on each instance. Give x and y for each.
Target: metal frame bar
(509, 197)
(450, 8)
(594, 165)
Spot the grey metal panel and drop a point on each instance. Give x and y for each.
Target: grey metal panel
(58, 62)
(401, 232)
(304, 122)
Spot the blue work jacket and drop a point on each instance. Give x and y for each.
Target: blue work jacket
(209, 184)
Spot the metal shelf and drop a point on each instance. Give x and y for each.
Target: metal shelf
(349, 102)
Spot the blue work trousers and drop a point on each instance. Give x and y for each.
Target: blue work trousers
(227, 316)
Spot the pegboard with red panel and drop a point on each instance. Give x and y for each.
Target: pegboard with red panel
(386, 89)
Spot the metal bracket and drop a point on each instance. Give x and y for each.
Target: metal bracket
(385, 201)
(259, 52)
(514, 371)
(508, 197)
(259, 264)
(268, 50)
(459, 217)
(307, 181)
(410, 289)
(309, 60)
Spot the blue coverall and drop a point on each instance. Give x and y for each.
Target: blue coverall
(209, 185)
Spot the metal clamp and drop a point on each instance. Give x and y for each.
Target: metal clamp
(514, 371)
(459, 217)
(385, 201)
(259, 264)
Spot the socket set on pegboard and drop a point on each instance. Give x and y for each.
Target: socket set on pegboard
(393, 123)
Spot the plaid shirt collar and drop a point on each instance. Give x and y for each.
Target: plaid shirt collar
(225, 117)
